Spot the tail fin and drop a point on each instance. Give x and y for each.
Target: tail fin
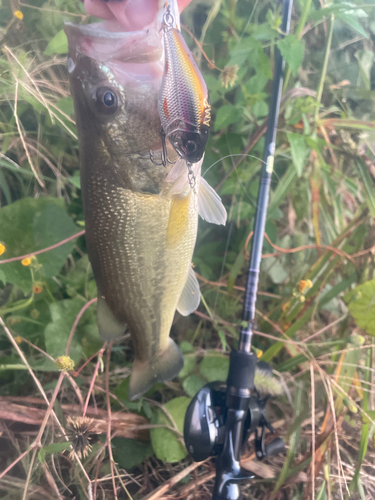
(146, 373)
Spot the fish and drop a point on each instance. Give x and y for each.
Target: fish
(140, 218)
(184, 103)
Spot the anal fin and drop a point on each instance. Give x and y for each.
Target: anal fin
(109, 327)
(190, 296)
(145, 374)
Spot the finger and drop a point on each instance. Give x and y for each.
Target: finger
(134, 14)
(98, 8)
(182, 4)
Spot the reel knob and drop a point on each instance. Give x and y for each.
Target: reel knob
(275, 447)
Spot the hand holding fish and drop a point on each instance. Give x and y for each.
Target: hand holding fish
(132, 14)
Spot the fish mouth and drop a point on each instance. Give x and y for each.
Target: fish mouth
(107, 41)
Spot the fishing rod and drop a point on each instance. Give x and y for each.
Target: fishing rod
(221, 417)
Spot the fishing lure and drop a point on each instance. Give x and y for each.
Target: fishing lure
(183, 104)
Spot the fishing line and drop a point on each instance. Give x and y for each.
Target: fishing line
(231, 222)
(229, 235)
(224, 261)
(231, 155)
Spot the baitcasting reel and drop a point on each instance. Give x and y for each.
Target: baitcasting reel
(213, 412)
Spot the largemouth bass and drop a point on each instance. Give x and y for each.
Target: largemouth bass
(141, 218)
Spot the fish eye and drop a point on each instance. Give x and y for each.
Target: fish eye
(106, 100)
(190, 146)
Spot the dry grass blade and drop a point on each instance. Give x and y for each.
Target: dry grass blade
(128, 425)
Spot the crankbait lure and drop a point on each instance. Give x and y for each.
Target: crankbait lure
(183, 105)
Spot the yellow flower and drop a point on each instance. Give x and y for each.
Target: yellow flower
(285, 306)
(26, 261)
(302, 298)
(259, 353)
(18, 339)
(304, 285)
(2, 248)
(18, 14)
(64, 363)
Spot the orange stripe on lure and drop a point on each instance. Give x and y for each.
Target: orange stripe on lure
(184, 106)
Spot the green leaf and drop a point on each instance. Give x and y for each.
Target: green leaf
(190, 360)
(76, 179)
(32, 224)
(58, 44)
(192, 384)
(214, 367)
(283, 188)
(236, 269)
(226, 115)
(352, 22)
(292, 51)
(166, 443)
(51, 449)
(223, 339)
(274, 269)
(129, 453)
(322, 495)
(368, 185)
(370, 414)
(186, 347)
(56, 333)
(299, 151)
(362, 305)
(3, 277)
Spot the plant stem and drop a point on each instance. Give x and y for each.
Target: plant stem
(298, 34)
(324, 69)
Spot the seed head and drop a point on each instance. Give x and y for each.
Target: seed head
(64, 363)
(37, 287)
(79, 431)
(229, 76)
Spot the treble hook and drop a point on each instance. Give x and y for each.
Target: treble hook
(152, 158)
(164, 153)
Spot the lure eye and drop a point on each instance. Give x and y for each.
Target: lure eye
(106, 100)
(190, 147)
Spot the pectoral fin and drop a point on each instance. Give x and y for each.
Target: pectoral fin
(145, 374)
(210, 206)
(109, 327)
(190, 296)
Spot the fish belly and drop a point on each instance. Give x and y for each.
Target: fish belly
(140, 247)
